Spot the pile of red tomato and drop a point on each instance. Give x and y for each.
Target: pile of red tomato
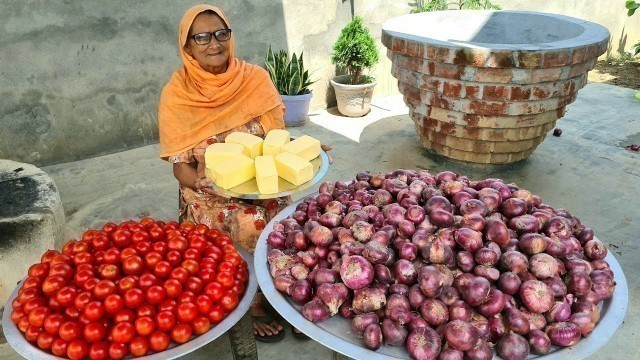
(131, 289)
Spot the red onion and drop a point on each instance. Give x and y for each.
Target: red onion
(513, 347)
(283, 283)
(603, 284)
(559, 312)
(482, 351)
(579, 283)
(509, 283)
(333, 295)
(368, 299)
(524, 224)
(465, 261)
(595, 250)
(563, 333)
(449, 353)
(468, 239)
(514, 261)
(430, 281)
(393, 333)
(423, 343)
(376, 253)
(536, 296)
(496, 231)
(585, 235)
(434, 311)
(401, 289)
(362, 231)
(315, 311)
(513, 207)
(372, 336)
(539, 342)
(543, 266)
(584, 322)
(360, 322)
(473, 221)
(494, 304)
(461, 335)
(473, 207)
(356, 272)
(476, 292)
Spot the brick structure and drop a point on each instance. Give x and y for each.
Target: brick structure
(485, 86)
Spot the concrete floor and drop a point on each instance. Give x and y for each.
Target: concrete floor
(586, 171)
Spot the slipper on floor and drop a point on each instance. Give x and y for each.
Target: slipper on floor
(299, 334)
(267, 338)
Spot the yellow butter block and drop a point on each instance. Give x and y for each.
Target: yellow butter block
(233, 171)
(274, 141)
(218, 152)
(208, 173)
(305, 146)
(266, 174)
(252, 144)
(293, 168)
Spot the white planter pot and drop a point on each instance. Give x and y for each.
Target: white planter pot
(353, 100)
(297, 108)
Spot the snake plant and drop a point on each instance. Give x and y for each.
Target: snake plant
(288, 74)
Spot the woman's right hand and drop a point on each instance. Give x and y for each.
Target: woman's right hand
(203, 185)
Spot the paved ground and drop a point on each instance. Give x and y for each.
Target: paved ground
(586, 170)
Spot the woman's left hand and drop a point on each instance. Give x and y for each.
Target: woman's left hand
(327, 148)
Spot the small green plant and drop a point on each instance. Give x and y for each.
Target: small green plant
(354, 51)
(288, 75)
(436, 5)
(632, 6)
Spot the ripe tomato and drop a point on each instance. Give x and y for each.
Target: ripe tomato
(151, 259)
(173, 257)
(139, 236)
(214, 253)
(61, 258)
(38, 315)
(89, 284)
(132, 265)
(234, 258)
(48, 255)
(63, 270)
(187, 311)
(214, 291)
(180, 274)
(194, 285)
(146, 310)
(33, 303)
(165, 321)
(112, 256)
(52, 323)
(82, 299)
(139, 346)
(124, 315)
(160, 247)
(52, 284)
(54, 305)
(162, 269)
(187, 225)
(142, 247)
(199, 243)
(70, 330)
(181, 333)
(147, 280)
(208, 263)
(145, 325)
(72, 312)
(77, 349)
(45, 340)
(16, 303)
(191, 266)
(135, 227)
(83, 258)
(118, 351)
(159, 341)
(17, 314)
(178, 243)
(225, 279)
(94, 331)
(204, 304)
(168, 305)
(156, 233)
(173, 225)
(126, 283)
(172, 288)
(99, 350)
(89, 235)
(207, 275)
(113, 303)
(133, 298)
(223, 241)
(109, 227)
(23, 324)
(122, 332)
(109, 272)
(227, 267)
(192, 254)
(202, 228)
(28, 294)
(82, 276)
(186, 296)
(155, 294)
(238, 287)
(146, 220)
(229, 301)
(94, 311)
(81, 247)
(100, 242)
(200, 325)
(126, 252)
(59, 347)
(242, 275)
(103, 289)
(67, 248)
(31, 281)
(213, 233)
(121, 238)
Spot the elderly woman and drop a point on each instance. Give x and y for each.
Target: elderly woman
(212, 95)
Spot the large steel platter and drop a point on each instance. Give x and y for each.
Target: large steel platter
(17, 341)
(336, 334)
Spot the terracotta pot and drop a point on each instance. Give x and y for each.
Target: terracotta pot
(353, 100)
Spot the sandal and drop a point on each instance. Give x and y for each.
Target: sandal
(267, 338)
(299, 334)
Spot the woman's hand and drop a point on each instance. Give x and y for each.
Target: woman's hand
(327, 148)
(203, 185)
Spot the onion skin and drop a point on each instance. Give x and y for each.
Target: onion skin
(493, 305)
(368, 299)
(461, 335)
(539, 342)
(434, 311)
(393, 333)
(449, 353)
(543, 266)
(372, 337)
(315, 311)
(496, 231)
(563, 333)
(536, 296)
(509, 283)
(360, 322)
(595, 250)
(460, 310)
(513, 347)
(482, 351)
(356, 272)
(423, 343)
(333, 295)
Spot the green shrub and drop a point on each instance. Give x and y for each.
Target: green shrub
(632, 6)
(436, 5)
(288, 75)
(355, 50)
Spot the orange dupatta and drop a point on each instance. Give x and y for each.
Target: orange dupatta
(196, 104)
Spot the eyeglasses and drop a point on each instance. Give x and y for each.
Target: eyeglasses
(205, 37)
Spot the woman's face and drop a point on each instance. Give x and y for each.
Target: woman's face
(214, 56)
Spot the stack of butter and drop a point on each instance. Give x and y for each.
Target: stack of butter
(244, 156)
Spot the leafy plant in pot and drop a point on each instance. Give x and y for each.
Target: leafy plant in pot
(292, 82)
(354, 51)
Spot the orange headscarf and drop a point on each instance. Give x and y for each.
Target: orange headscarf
(197, 104)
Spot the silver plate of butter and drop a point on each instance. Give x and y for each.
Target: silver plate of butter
(249, 189)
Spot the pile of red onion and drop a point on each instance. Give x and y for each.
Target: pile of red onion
(448, 267)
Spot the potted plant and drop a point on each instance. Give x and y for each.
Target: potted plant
(354, 51)
(292, 82)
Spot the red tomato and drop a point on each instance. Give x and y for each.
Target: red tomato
(133, 265)
(52, 323)
(214, 253)
(126, 283)
(192, 254)
(54, 305)
(125, 253)
(103, 289)
(213, 233)
(223, 241)
(100, 242)
(86, 267)
(70, 330)
(151, 259)
(142, 247)
(139, 236)
(146, 220)
(89, 235)
(180, 274)
(173, 225)
(16, 303)
(48, 255)
(186, 296)
(208, 263)
(199, 243)
(234, 258)
(160, 247)
(201, 229)
(81, 247)
(194, 285)
(133, 298)
(173, 257)
(121, 238)
(109, 272)
(187, 225)
(45, 340)
(214, 291)
(109, 227)
(139, 346)
(77, 349)
(238, 287)
(89, 284)
(191, 266)
(67, 248)
(82, 258)
(31, 281)
(227, 266)
(52, 284)
(225, 279)
(204, 304)
(112, 256)
(181, 333)
(168, 305)
(118, 351)
(82, 276)
(124, 315)
(207, 275)
(187, 311)
(200, 325)
(156, 233)
(146, 310)
(162, 269)
(122, 332)
(94, 311)
(23, 324)
(34, 302)
(229, 301)
(113, 303)
(38, 315)
(62, 269)
(17, 314)
(147, 280)
(61, 259)
(82, 299)
(94, 331)
(242, 275)
(28, 294)
(135, 227)
(59, 347)
(145, 325)
(172, 288)
(165, 321)
(99, 350)
(155, 294)
(72, 312)
(159, 341)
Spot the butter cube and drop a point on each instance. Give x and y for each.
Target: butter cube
(252, 144)
(218, 152)
(233, 171)
(266, 174)
(274, 141)
(293, 168)
(305, 146)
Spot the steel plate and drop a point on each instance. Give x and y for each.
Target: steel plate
(31, 352)
(336, 334)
